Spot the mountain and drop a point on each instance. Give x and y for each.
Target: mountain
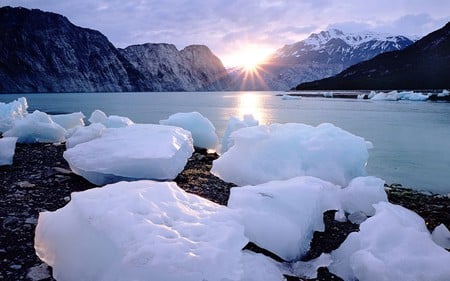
(423, 65)
(44, 52)
(195, 68)
(320, 55)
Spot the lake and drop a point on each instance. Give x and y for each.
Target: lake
(411, 139)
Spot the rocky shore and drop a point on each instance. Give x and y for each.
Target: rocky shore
(40, 179)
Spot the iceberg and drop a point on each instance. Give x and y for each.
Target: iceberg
(394, 244)
(112, 121)
(11, 111)
(281, 216)
(284, 151)
(395, 96)
(202, 130)
(69, 121)
(7, 149)
(36, 127)
(235, 124)
(140, 151)
(142, 230)
(84, 134)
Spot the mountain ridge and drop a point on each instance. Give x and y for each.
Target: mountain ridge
(422, 65)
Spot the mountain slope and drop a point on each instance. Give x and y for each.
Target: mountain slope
(44, 52)
(195, 68)
(321, 55)
(423, 65)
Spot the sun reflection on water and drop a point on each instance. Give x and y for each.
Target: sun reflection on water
(252, 103)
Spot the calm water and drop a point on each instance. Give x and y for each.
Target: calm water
(411, 139)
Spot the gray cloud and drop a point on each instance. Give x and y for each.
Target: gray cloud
(224, 25)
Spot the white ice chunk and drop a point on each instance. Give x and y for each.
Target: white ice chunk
(444, 93)
(283, 151)
(308, 269)
(281, 216)
(85, 134)
(441, 236)
(394, 244)
(140, 151)
(362, 193)
(112, 121)
(202, 130)
(11, 111)
(36, 127)
(7, 149)
(258, 267)
(235, 124)
(290, 97)
(141, 230)
(395, 96)
(69, 121)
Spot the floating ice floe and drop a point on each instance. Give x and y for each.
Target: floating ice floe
(395, 96)
(140, 151)
(36, 127)
(235, 124)
(202, 130)
(69, 121)
(84, 134)
(139, 231)
(394, 244)
(283, 151)
(7, 149)
(112, 121)
(11, 111)
(441, 236)
(290, 97)
(281, 216)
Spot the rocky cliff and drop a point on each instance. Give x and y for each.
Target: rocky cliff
(44, 52)
(423, 65)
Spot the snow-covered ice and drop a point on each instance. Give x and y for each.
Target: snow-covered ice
(7, 149)
(84, 134)
(36, 127)
(11, 111)
(394, 244)
(235, 124)
(202, 130)
(282, 151)
(281, 216)
(140, 151)
(396, 95)
(70, 120)
(441, 236)
(139, 231)
(361, 194)
(112, 121)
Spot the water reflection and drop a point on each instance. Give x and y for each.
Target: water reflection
(252, 103)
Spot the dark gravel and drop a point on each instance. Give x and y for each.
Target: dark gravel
(39, 180)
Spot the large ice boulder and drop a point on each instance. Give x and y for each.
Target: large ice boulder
(70, 120)
(84, 134)
(112, 121)
(281, 216)
(7, 149)
(361, 194)
(36, 127)
(283, 151)
(141, 231)
(202, 130)
(235, 124)
(394, 244)
(11, 111)
(140, 151)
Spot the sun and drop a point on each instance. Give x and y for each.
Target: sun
(248, 57)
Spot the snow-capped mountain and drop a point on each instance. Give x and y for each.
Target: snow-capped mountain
(321, 55)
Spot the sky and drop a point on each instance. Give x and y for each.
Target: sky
(236, 29)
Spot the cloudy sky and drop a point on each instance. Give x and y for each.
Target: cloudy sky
(232, 27)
